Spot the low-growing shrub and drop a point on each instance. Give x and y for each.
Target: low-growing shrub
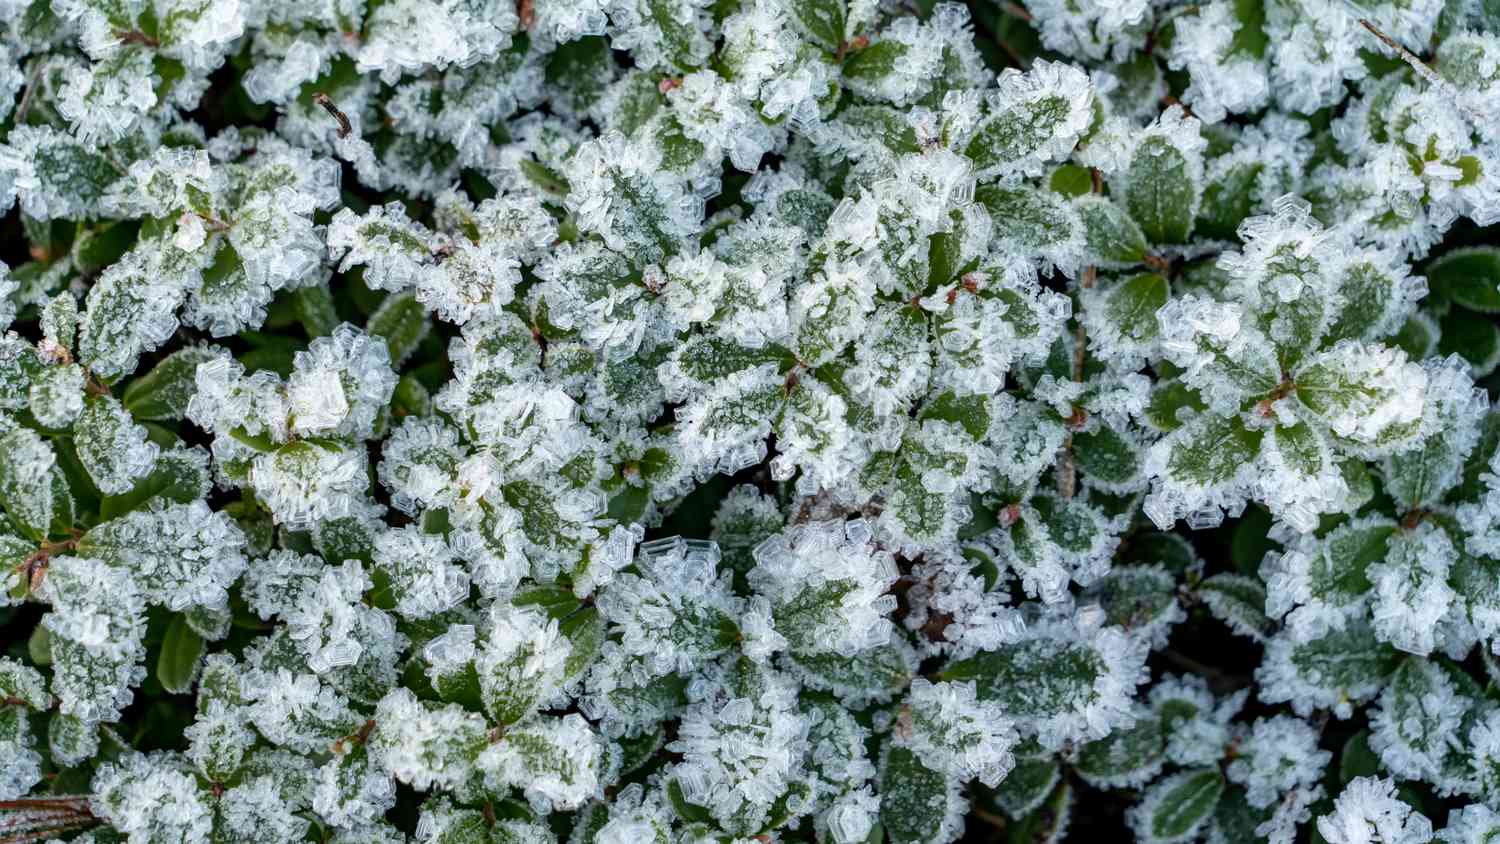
(658, 421)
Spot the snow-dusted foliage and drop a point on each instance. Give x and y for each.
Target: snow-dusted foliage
(775, 421)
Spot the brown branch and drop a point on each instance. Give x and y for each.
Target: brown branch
(31, 84)
(1406, 55)
(345, 128)
(1067, 468)
(1016, 11)
(135, 36)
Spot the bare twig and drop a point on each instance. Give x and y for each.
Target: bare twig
(1422, 68)
(345, 128)
(1067, 468)
(135, 36)
(1016, 11)
(31, 83)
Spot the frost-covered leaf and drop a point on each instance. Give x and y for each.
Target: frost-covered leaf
(1177, 807)
(1027, 785)
(1114, 239)
(1163, 183)
(917, 803)
(163, 393)
(1238, 601)
(1126, 757)
(113, 449)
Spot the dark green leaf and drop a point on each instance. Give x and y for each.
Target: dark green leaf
(181, 649)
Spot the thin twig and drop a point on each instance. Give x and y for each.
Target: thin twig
(345, 128)
(1016, 11)
(31, 83)
(135, 36)
(1421, 67)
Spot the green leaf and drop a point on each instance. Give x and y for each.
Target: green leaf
(1160, 192)
(1135, 597)
(871, 65)
(1125, 757)
(1356, 759)
(543, 178)
(1071, 180)
(1338, 392)
(879, 123)
(1473, 486)
(162, 394)
(823, 20)
(1338, 569)
(708, 359)
(1251, 540)
(315, 310)
(1036, 222)
(33, 490)
(1113, 238)
(212, 623)
(111, 446)
(181, 649)
(690, 812)
(1211, 450)
(1349, 665)
(1034, 679)
(1368, 306)
(679, 33)
(1169, 549)
(1239, 601)
(1047, 823)
(1132, 304)
(876, 674)
(1250, 39)
(1027, 785)
(555, 601)
(1176, 808)
(96, 248)
(180, 475)
(1228, 199)
(403, 322)
(1472, 337)
(39, 646)
(1018, 131)
(1412, 739)
(585, 631)
(972, 413)
(1418, 336)
(1470, 277)
(1107, 457)
(1170, 396)
(1235, 820)
(915, 800)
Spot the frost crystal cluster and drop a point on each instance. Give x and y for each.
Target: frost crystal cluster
(749, 421)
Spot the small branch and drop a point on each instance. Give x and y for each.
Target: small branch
(135, 36)
(1421, 67)
(345, 128)
(31, 83)
(1067, 469)
(33, 819)
(1016, 11)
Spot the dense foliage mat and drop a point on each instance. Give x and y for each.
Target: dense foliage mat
(714, 421)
